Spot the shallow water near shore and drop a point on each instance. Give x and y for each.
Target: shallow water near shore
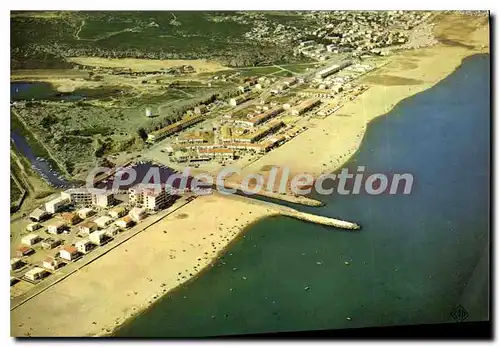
(415, 259)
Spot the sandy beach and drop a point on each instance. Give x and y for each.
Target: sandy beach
(129, 278)
(330, 142)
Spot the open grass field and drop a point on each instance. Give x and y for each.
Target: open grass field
(301, 68)
(259, 71)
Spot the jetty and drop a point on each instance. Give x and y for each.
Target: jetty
(328, 221)
(294, 199)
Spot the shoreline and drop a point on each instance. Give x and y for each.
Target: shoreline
(67, 303)
(340, 135)
(104, 294)
(187, 282)
(334, 169)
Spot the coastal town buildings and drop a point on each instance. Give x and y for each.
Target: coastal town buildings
(332, 69)
(103, 200)
(255, 120)
(57, 204)
(124, 222)
(70, 218)
(69, 253)
(86, 197)
(78, 196)
(85, 212)
(84, 246)
(305, 106)
(103, 221)
(35, 274)
(16, 263)
(51, 263)
(112, 231)
(39, 215)
(149, 197)
(118, 211)
(30, 240)
(56, 227)
(23, 251)
(87, 227)
(212, 153)
(50, 243)
(173, 128)
(98, 237)
(194, 137)
(137, 213)
(33, 226)
(239, 100)
(318, 93)
(229, 132)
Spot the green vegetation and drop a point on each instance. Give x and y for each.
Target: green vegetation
(299, 68)
(45, 41)
(27, 179)
(283, 73)
(82, 127)
(259, 71)
(71, 132)
(15, 191)
(80, 136)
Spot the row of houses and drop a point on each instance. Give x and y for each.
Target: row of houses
(205, 154)
(97, 232)
(317, 93)
(332, 69)
(174, 128)
(326, 111)
(262, 147)
(194, 137)
(240, 99)
(95, 236)
(284, 84)
(305, 106)
(258, 119)
(260, 133)
(228, 132)
(74, 196)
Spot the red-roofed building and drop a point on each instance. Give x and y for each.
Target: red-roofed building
(69, 253)
(51, 263)
(24, 250)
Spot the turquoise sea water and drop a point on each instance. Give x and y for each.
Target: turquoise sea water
(415, 259)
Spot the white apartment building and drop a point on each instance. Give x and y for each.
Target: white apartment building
(78, 196)
(85, 197)
(148, 197)
(105, 199)
(137, 214)
(55, 205)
